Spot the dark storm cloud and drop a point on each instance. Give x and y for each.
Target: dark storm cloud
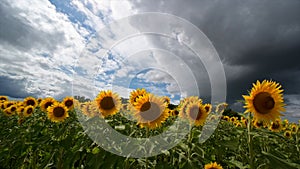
(15, 88)
(19, 32)
(255, 39)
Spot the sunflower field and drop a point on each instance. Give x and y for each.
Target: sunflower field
(50, 133)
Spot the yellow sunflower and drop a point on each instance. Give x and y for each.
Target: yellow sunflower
(90, 109)
(184, 103)
(7, 104)
(208, 108)
(58, 112)
(287, 134)
(3, 98)
(135, 94)
(47, 102)
(276, 126)
(221, 107)
(213, 166)
(238, 124)
(28, 111)
(20, 110)
(196, 113)
(69, 102)
(30, 101)
(167, 99)
(150, 111)
(226, 118)
(2, 107)
(258, 123)
(294, 128)
(39, 100)
(265, 101)
(108, 103)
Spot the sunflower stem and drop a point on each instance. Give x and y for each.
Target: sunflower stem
(190, 142)
(297, 142)
(250, 142)
(147, 135)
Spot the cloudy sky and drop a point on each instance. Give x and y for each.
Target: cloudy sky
(58, 48)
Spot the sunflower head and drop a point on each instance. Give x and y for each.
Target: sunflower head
(30, 101)
(265, 101)
(20, 110)
(108, 103)
(28, 111)
(221, 107)
(150, 111)
(226, 118)
(258, 123)
(276, 126)
(167, 99)
(90, 109)
(3, 98)
(47, 102)
(58, 112)
(69, 102)
(135, 94)
(287, 134)
(213, 166)
(294, 128)
(7, 104)
(11, 110)
(196, 113)
(185, 102)
(208, 108)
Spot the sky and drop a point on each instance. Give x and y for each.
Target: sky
(54, 48)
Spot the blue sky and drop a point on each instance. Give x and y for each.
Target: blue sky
(47, 48)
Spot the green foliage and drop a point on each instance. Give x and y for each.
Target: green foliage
(40, 143)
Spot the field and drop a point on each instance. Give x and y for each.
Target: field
(46, 133)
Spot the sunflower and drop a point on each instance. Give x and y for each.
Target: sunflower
(208, 108)
(2, 106)
(221, 107)
(150, 111)
(10, 110)
(39, 100)
(233, 119)
(213, 166)
(276, 126)
(30, 101)
(3, 98)
(47, 102)
(287, 134)
(90, 109)
(167, 99)
(134, 95)
(28, 111)
(108, 103)
(184, 103)
(7, 104)
(238, 124)
(20, 110)
(294, 128)
(265, 101)
(57, 112)
(196, 113)
(69, 102)
(226, 118)
(258, 123)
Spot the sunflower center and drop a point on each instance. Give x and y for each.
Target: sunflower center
(150, 111)
(8, 105)
(207, 108)
(48, 104)
(275, 126)
(107, 103)
(58, 112)
(69, 103)
(263, 103)
(29, 111)
(195, 113)
(30, 102)
(13, 109)
(287, 134)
